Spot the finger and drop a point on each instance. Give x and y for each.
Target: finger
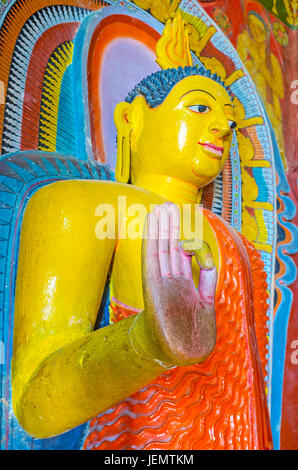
(186, 265)
(189, 248)
(164, 241)
(150, 255)
(203, 255)
(207, 284)
(175, 251)
(208, 273)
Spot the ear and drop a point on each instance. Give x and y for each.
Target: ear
(123, 118)
(123, 122)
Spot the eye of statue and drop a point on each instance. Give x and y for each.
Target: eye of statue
(232, 124)
(199, 108)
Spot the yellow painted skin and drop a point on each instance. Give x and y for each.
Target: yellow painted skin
(63, 372)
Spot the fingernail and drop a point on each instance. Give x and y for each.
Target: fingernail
(200, 250)
(204, 257)
(191, 246)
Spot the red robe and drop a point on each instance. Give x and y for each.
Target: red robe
(218, 404)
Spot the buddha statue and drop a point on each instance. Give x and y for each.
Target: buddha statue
(178, 367)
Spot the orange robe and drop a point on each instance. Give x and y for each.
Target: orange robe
(218, 404)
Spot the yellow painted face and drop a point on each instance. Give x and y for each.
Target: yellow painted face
(189, 135)
(257, 29)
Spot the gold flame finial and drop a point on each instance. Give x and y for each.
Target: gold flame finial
(172, 49)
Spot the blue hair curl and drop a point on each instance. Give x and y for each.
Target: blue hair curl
(156, 87)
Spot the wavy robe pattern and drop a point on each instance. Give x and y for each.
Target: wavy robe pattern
(219, 404)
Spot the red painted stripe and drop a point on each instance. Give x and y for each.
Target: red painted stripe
(109, 28)
(41, 53)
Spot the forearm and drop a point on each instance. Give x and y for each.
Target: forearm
(88, 376)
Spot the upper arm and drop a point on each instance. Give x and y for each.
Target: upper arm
(62, 269)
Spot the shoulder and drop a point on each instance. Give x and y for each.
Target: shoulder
(74, 203)
(65, 206)
(65, 193)
(83, 192)
(75, 199)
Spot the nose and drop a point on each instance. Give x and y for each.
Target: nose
(220, 128)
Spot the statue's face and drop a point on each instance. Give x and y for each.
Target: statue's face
(189, 135)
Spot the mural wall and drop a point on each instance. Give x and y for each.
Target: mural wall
(264, 34)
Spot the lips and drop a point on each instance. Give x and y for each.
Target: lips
(212, 148)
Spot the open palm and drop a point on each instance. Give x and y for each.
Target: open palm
(181, 315)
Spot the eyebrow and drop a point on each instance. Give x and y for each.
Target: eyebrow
(197, 90)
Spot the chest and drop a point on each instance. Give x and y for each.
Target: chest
(126, 274)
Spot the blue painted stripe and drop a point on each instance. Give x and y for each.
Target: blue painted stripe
(66, 139)
(263, 195)
(283, 312)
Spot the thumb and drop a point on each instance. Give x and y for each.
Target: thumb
(208, 273)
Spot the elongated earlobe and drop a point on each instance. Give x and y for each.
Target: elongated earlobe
(122, 120)
(122, 171)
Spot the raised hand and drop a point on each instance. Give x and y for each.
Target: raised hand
(181, 316)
